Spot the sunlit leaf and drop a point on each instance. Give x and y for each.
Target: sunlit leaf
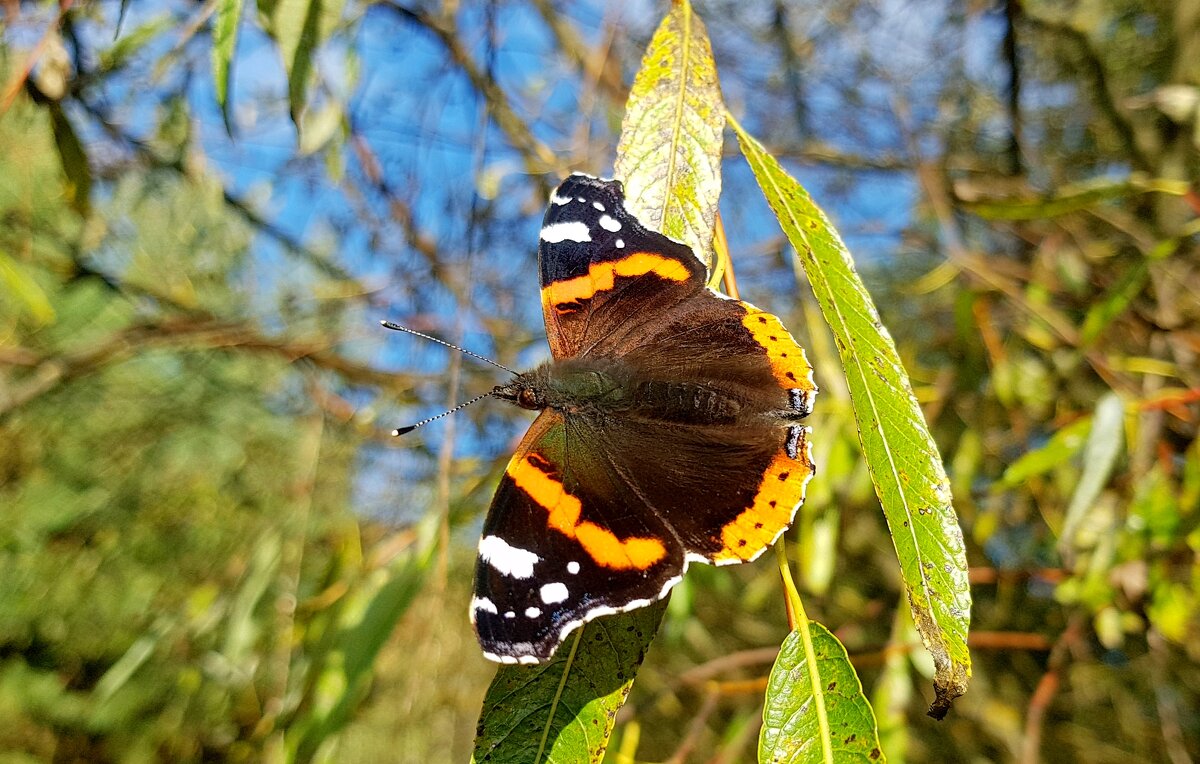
(24, 290)
(319, 126)
(669, 155)
(225, 34)
(1069, 199)
(563, 711)
(904, 461)
(815, 708)
(365, 622)
(300, 27)
(1061, 447)
(1105, 442)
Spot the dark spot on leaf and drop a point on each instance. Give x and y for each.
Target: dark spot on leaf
(832, 686)
(874, 754)
(851, 739)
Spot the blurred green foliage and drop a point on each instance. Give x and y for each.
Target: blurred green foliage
(195, 562)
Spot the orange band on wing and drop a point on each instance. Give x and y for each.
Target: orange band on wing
(779, 494)
(600, 543)
(788, 362)
(602, 276)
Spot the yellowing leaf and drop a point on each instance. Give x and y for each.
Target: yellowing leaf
(669, 156)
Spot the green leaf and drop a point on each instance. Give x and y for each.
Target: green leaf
(1061, 447)
(366, 620)
(77, 174)
(1113, 304)
(904, 462)
(669, 155)
(1072, 198)
(1104, 444)
(25, 290)
(563, 711)
(815, 709)
(225, 34)
(299, 27)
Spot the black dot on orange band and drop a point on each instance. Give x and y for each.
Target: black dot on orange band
(758, 526)
(783, 476)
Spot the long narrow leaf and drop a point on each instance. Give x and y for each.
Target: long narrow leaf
(669, 155)
(225, 34)
(904, 462)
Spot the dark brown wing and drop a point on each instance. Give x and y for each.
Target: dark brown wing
(600, 267)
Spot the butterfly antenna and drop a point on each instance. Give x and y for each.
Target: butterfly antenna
(464, 351)
(423, 422)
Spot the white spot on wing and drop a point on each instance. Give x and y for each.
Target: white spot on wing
(555, 592)
(620, 243)
(532, 612)
(483, 603)
(559, 200)
(598, 206)
(609, 224)
(508, 560)
(572, 230)
(528, 659)
(509, 614)
(572, 567)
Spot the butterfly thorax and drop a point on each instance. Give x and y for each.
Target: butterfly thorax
(608, 388)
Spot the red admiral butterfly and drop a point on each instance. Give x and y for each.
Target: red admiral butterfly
(668, 432)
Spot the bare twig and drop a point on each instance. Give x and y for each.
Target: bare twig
(1046, 689)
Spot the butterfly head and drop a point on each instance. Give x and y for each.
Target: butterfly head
(526, 391)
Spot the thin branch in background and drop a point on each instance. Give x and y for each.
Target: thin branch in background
(538, 158)
(1093, 69)
(696, 728)
(1012, 9)
(1047, 688)
(21, 75)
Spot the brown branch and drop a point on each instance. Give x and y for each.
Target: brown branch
(50, 372)
(596, 65)
(419, 240)
(22, 74)
(1091, 66)
(291, 245)
(1046, 689)
(538, 157)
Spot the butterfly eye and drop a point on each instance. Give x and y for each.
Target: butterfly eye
(527, 398)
